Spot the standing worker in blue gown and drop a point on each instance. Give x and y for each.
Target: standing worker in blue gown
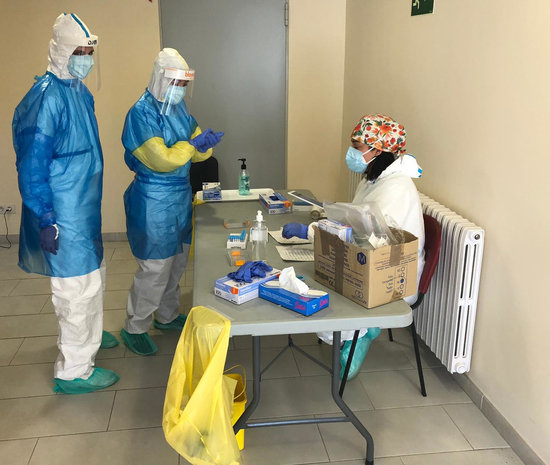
(161, 139)
(60, 174)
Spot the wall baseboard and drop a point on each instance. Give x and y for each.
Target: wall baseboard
(506, 430)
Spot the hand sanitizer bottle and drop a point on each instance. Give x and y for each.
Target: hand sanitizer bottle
(258, 238)
(244, 179)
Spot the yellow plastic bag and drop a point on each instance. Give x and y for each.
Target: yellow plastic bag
(198, 407)
(239, 402)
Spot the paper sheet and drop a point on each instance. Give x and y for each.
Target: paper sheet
(296, 253)
(278, 236)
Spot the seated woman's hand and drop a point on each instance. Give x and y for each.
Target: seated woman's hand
(295, 230)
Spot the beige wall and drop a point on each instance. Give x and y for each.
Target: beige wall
(129, 40)
(471, 84)
(316, 41)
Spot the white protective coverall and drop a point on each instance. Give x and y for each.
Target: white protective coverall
(396, 195)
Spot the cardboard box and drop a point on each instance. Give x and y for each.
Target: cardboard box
(368, 277)
(239, 293)
(296, 302)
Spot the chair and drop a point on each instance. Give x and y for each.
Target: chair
(432, 245)
(204, 171)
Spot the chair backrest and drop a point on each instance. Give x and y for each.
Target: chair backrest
(204, 171)
(432, 245)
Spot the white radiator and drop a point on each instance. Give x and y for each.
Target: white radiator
(354, 180)
(446, 318)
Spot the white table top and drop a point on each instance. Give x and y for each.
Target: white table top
(259, 317)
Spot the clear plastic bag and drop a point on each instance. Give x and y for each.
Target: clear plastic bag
(367, 221)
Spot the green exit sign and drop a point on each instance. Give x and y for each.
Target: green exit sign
(422, 7)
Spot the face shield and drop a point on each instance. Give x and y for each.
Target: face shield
(84, 65)
(179, 88)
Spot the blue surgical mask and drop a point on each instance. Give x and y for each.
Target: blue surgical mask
(175, 94)
(80, 65)
(355, 160)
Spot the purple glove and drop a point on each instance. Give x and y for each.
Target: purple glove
(295, 229)
(243, 274)
(49, 241)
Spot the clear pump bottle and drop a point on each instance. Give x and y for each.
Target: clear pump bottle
(258, 238)
(244, 179)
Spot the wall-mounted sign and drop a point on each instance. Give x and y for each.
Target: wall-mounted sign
(422, 7)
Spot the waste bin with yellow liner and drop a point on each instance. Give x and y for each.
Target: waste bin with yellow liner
(199, 404)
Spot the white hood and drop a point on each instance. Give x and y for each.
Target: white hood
(167, 58)
(405, 164)
(69, 32)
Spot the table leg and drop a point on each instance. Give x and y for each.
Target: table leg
(256, 373)
(340, 402)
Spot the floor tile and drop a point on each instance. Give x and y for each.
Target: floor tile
(12, 271)
(26, 380)
(122, 267)
(135, 447)
(389, 389)
(379, 461)
(117, 282)
(114, 352)
(7, 286)
(28, 325)
(115, 300)
(396, 432)
(142, 372)
(48, 306)
(402, 336)
(8, 349)
(37, 350)
(305, 396)
(480, 457)
(22, 305)
(282, 445)
(475, 427)
(123, 253)
(113, 320)
(32, 287)
(139, 408)
(115, 244)
(283, 367)
(53, 415)
(17, 452)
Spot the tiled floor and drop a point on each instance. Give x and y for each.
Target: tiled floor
(122, 425)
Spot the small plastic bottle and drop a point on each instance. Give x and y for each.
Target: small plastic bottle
(244, 179)
(258, 238)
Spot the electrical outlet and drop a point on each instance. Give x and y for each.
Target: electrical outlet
(7, 209)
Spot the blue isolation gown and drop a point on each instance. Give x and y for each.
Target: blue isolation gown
(60, 174)
(158, 204)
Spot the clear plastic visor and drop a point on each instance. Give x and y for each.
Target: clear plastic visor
(84, 64)
(179, 91)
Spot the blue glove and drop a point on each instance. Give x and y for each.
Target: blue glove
(295, 229)
(49, 241)
(206, 140)
(243, 274)
(259, 268)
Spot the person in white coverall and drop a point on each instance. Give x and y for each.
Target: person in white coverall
(60, 174)
(377, 146)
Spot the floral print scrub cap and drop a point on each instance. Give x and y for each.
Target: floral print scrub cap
(380, 132)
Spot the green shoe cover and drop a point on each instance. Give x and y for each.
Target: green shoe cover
(176, 324)
(108, 341)
(99, 379)
(361, 350)
(140, 344)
